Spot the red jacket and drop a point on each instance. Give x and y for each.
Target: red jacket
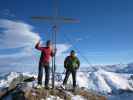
(46, 53)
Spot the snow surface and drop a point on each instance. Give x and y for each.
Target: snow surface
(7, 80)
(107, 82)
(77, 97)
(52, 98)
(101, 81)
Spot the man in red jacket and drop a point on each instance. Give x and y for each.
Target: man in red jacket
(46, 54)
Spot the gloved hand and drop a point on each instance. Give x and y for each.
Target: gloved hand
(76, 68)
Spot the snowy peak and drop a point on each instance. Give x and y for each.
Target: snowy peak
(105, 82)
(101, 81)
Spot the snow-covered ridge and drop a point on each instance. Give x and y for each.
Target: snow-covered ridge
(110, 82)
(118, 68)
(5, 82)
(100, 81)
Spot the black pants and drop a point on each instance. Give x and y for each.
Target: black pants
(42, 66)
(68, 72)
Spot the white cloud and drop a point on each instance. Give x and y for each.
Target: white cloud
(62, 48)
(16, 34)
(61, 53)
(31, 59)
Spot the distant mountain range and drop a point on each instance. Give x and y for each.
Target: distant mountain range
(118, 68)
(104, 79)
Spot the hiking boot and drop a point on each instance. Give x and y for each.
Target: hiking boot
(74, 89)
(39, 86)
(47, 87)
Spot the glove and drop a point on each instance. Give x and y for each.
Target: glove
(77, 68)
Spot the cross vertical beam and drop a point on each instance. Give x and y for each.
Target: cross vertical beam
(54, 58)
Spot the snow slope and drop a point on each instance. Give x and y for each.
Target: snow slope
(99, 81)
(117, 86)
(107, 82)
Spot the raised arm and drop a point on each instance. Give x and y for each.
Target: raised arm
(38, 47)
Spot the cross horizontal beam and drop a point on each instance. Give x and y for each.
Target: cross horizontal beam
(56, 19)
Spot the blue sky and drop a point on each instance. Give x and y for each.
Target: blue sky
(104, 34)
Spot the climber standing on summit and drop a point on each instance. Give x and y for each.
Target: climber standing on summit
(71, 65)
(44, 63)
